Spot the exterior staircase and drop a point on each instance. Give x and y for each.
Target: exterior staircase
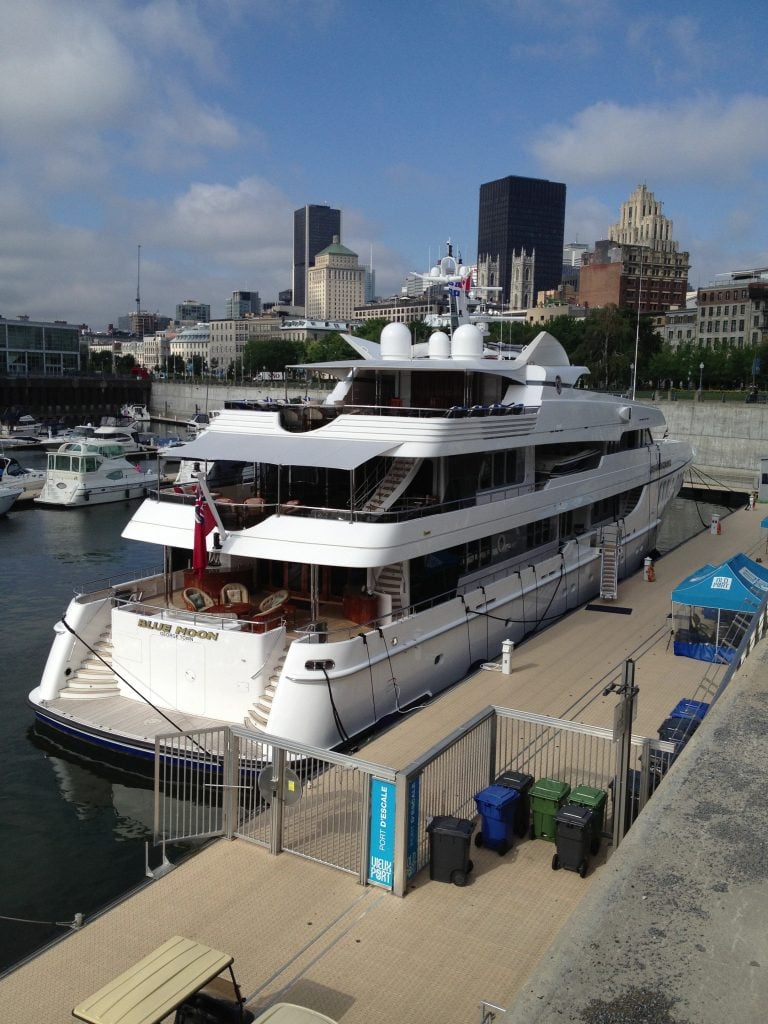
(609, 564)
(389, 489)
(93, 678)
(390, 581)
(258, 715)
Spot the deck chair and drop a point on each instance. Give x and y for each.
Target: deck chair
(197, 600)
(234, 593)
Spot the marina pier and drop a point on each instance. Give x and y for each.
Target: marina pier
(304, 932)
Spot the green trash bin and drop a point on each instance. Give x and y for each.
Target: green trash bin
(595, 799)
(547, 797)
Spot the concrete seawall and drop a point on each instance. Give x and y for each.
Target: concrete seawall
(729, 439)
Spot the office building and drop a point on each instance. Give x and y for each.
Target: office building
(732, 312)
(30, 347)
(191, 309)
(243, 304)
(639, 265)
(520, 219)
(336, 284)
(314, 228)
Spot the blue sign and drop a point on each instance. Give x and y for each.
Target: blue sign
(412, 852)
(381, 854)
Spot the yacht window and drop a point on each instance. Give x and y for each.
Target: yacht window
(115, 474)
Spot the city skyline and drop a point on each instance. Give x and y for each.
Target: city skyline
(196, 129)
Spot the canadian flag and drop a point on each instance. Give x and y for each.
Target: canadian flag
(204, 523)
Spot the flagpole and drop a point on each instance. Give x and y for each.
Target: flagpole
(200, 475)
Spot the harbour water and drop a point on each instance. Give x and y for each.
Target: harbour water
(72, 833)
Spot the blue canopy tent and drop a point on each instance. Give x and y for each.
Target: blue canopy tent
(712, 608)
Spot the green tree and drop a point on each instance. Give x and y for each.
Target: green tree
(124, 364)
(100, 362)
(371, 329)
(273, 356)
(328, 349)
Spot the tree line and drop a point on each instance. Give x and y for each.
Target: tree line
(606, 341)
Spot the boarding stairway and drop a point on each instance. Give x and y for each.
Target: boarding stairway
(93, 678)
(392, 485)
(258, 715)
(609, 563)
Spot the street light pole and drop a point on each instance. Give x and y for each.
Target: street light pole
(701, 376)
(637, 326)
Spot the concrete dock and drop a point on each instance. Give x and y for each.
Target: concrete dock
(562, 947)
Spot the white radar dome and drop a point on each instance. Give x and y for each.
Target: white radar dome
(467, 342)
(395, 342)
(439, 346)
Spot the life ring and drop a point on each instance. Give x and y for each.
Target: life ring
(272, 601)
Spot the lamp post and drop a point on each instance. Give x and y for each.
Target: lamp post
(632, 378)
(637, 324)
(701, 376)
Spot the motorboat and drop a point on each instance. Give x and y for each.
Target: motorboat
(55, 440)
(323, 575)
(137, 412)
(12, 472)
(9, 493)
(94, 472)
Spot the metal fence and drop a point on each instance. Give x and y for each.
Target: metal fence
(310, 802)
(235, 782)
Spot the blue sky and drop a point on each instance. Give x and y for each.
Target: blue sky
(195, 129)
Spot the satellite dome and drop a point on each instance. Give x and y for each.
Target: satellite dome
(439, 345)
(467, 342)
(395, 342)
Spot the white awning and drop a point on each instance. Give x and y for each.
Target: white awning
(305, 449)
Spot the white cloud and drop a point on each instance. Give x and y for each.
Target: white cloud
(60, 67)
(707, 137)
(587, 220)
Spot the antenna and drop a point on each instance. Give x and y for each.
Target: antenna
(138, 280)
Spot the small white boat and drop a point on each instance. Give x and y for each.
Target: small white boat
(53, 442)
(94, 472)
(12, 472)
(136, 411)
(8, 494)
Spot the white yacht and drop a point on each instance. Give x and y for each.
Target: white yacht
(136, 412)
(366, 552)
(12, 472)
(94, 472)
(9, 493)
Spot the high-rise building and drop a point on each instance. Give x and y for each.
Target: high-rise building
(520, 214)
(241, 304)
(314, 228)
(638, 266)
(191, 309)
(336, 284)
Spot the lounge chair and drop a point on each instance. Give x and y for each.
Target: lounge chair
(234, 593)
(196, 600)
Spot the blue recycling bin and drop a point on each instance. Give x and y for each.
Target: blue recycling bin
(497, 808)
(689, 709)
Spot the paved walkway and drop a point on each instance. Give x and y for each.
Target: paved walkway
(312, 935)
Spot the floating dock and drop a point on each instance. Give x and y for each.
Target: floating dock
(303, 932)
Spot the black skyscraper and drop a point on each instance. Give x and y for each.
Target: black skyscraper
(523, 213)
(313, 231)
